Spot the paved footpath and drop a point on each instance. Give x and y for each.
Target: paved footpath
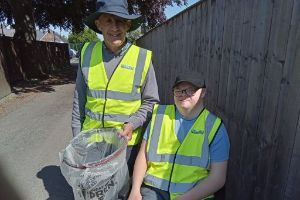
(34, 127)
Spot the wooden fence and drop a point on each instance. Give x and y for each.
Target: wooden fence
(249, 53)
(24, 60)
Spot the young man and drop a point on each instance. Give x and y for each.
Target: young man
(185, 148)
(116, 84)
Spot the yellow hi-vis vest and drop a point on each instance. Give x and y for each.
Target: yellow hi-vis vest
(173, 166)
(110, 102)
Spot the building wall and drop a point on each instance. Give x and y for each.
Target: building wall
(249, 54)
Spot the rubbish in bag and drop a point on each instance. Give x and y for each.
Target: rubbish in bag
(94, 164)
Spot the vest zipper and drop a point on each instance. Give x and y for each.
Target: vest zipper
(108, 84)
(172, 169)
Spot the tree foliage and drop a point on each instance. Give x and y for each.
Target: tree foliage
(5, 12)
(87, 35)
(152, 10)
(20, 15)
(69, 14)
(134, 35)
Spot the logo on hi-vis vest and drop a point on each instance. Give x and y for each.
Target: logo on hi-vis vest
(127, 67)
(197, 131)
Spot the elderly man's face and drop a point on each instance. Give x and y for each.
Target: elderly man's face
(113, 29)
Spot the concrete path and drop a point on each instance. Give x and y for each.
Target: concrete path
(34, 127)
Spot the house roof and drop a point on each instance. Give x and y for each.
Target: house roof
(39, 35)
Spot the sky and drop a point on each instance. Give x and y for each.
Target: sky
(170, 12)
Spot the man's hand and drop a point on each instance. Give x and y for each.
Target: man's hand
(127, 131)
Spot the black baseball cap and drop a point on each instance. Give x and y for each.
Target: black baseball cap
(193, 78)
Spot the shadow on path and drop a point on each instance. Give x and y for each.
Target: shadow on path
(7, 189)
(55, 184)
(63, 76)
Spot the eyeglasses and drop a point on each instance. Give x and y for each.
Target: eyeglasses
(187, 92)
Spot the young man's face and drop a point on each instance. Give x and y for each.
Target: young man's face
(187, 96)
(113, 29)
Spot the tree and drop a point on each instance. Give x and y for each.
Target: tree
(22, 14)
(152, 10)
(134, 35)
(69, 14)
(66, 14)
(87, 35)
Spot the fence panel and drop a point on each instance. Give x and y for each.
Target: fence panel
(249, 54)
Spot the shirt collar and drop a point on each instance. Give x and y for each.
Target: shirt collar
(179, 115)
(119, 53)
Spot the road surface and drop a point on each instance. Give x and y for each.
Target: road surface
(34, 127)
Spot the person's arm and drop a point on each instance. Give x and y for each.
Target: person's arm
(79, 101)
(214, 181)
(149, 98)
(140, 168)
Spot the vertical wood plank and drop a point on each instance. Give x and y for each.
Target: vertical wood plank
(210, 60)
(208, 39)
(260, 33)
(292, 190)
(195, 36)
(203, 52)
(219, 21)
(225, 55)
(234, 57)
(236, 135)
(243, 72)
(272, 89)
(287, 122)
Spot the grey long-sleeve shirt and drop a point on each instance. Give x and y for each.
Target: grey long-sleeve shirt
(149, 93)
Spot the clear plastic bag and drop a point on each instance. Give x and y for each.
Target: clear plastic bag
(94, 164)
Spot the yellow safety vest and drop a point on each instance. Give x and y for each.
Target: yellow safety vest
(173, 166)
(110, 102)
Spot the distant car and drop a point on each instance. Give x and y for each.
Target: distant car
(72, 53)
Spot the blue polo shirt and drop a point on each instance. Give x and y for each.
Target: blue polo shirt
(219, 147)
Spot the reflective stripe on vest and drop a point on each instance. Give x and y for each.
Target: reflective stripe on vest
(165, 185)
(110, 102)
(180, 159)
(108, 117)
(197, 163)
